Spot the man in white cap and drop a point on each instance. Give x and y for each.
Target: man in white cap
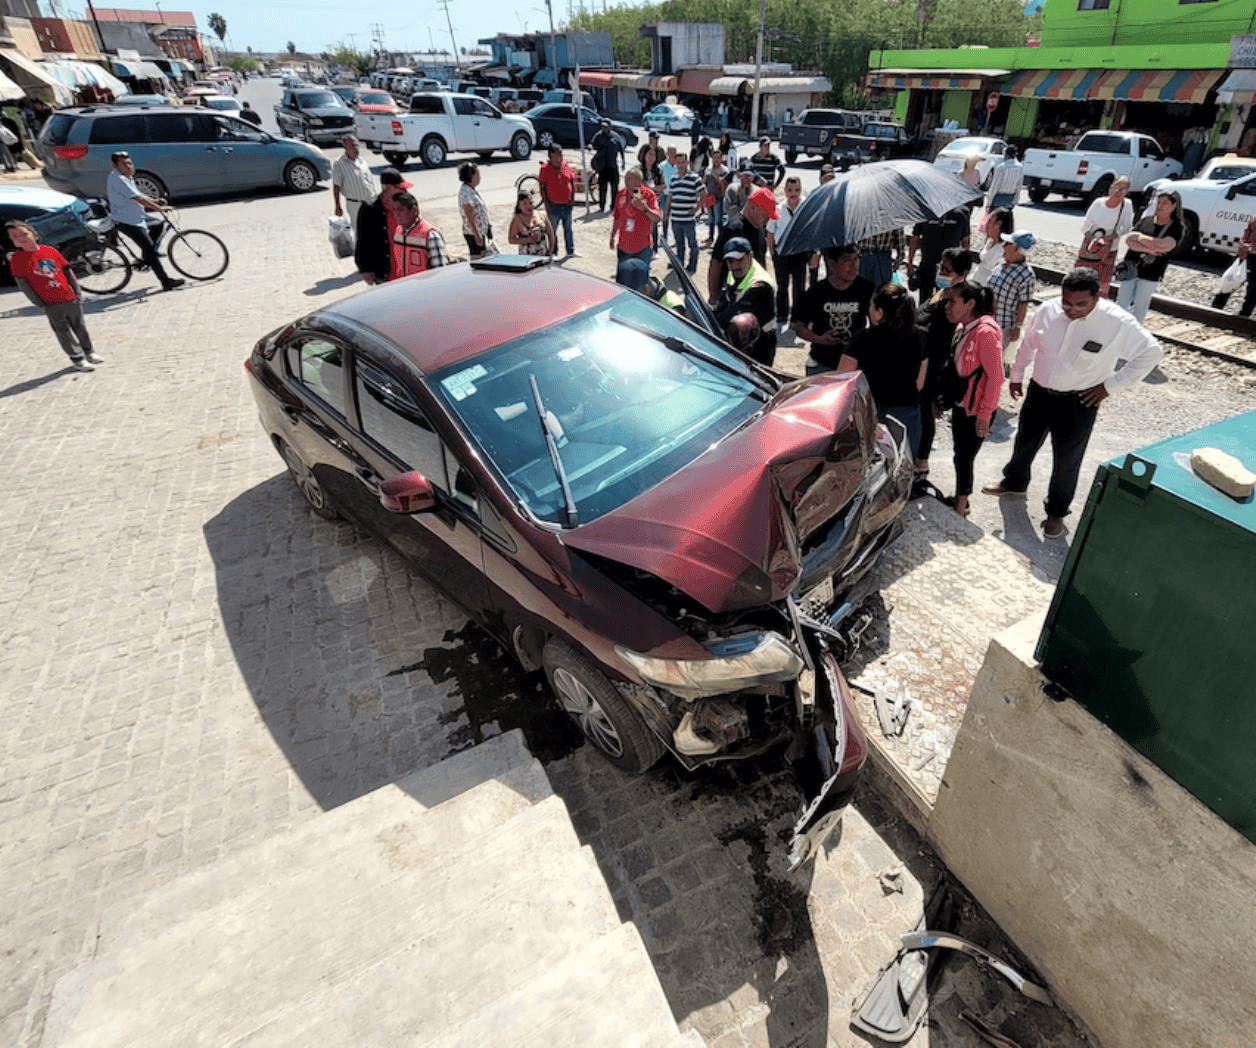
(748, 293)
(1013, 283)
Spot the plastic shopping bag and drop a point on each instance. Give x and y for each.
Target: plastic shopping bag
(1233, 278)
(340, 233)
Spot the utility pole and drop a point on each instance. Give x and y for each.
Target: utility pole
(353, 42)
(549, 6)
(758, 69)
(449, 19)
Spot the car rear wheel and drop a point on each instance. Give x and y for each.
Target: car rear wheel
(150, 185)
(1037, 194)
(396, 159)
(299, 176)
(545, 138)
(311, 490)
(433, 151)
(521, 146)
(791, 156)
(604, 716)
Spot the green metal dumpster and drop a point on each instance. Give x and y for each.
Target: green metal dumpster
(1153, 621)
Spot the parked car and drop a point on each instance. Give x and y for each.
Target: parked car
(1224, 168)
(878, 140)
(1089, 168)
(669, 119)
(1214, 211)
(141, 100)
(559, 94)
(662, 526)
(373, 100)
(442, 123)
(528, 97)
(179, 151)
(345, 92)
(220, 104)
(555, 122)
(811, 134)
(989, 151)
(58, 217)
(313, 114)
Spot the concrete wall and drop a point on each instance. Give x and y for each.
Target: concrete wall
(1133, 899)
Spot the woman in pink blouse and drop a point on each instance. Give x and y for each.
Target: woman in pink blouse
(979, 359)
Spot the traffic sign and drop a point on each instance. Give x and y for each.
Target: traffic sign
(992, 101)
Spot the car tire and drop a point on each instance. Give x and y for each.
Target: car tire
(1099, 189)
(602, 714)
(311, 490)
(432, 152)
(300, 176)
(396, 159)
(1037, 194)
(544, 139)
(791, 156)
(150, 185)
(521, 146)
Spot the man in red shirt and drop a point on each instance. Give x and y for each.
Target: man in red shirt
(45, 277)
(558, 190)
(636, 211)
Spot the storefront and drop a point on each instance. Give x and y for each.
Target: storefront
(925, 99)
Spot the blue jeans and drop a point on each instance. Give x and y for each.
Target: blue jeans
(633, 268)
(685, 232)
(909, 416)
(560, 214)
(715, 217)
(1135, 296)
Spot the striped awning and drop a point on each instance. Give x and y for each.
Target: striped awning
(941, 80)
(1147, 85)
(658, 83)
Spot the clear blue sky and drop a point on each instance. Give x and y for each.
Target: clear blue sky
(268, 25)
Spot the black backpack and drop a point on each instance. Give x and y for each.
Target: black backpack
(954, 388)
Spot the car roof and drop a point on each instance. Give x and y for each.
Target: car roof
(450, 314)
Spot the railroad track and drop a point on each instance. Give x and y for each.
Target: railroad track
(1210, 332)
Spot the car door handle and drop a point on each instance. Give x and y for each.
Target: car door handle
(370, 479)
(211, 149)
(226, 149)
(294, 414)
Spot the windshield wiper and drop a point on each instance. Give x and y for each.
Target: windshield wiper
(552, 444)
(679, 345)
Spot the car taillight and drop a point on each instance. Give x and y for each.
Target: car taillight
(1083, 167)
(396, 126)
(69, 152)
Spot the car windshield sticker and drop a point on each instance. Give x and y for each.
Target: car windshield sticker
(509, 411)
(462, 385)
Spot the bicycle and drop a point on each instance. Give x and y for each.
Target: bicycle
(106, 263)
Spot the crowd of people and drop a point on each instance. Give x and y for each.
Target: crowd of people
(937, 318)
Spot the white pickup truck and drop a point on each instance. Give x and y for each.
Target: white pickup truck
(1089, 168)
(442, 123)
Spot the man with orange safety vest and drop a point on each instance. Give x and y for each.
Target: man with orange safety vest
(417, 245)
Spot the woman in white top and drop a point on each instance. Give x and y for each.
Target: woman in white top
(1107, 221)
(475, 223)
(997, 223)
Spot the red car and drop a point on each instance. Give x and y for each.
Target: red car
(370, 100)
(666, 528)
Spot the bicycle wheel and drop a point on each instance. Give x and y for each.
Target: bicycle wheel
(197, 254)
(531, 185)
(102, 269)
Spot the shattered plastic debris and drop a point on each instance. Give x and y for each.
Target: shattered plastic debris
(891, 879)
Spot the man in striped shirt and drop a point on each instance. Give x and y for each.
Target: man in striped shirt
(351, 177)
(682, 210)
(767, 165)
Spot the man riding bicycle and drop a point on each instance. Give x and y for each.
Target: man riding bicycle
(127, 206)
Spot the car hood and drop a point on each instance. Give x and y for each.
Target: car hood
(728, 529)
(326, 111)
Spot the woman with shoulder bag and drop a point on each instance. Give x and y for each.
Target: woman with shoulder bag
(977, 367)
(1107, 221)
(1148, 248)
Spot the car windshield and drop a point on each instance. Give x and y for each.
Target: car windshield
(626, 406)
(375, 98)
(967, 145)
(319, 98)
(1229, 172)
(223, 103)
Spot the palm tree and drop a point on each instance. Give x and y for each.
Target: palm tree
(219, 25)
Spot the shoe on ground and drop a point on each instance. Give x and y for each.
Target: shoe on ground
(84, 365)
(1053, 527)
(92, 358)
(171, 285)
(999, 489)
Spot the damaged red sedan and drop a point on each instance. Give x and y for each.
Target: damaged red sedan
(669, 530)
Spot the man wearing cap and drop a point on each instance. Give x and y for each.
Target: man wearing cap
(739, 188)
(127, 206)
(1013, 283)
(608, 158)
(558, 190)
(747, 293)
(372, 253)
(835, 310)
(749, 223)
(1074, 343)
(632, 224)
(767, 165)
(351, 178)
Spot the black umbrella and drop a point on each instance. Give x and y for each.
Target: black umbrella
(872, 199)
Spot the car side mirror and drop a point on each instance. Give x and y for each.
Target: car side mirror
(1232, 192)
(408, 493)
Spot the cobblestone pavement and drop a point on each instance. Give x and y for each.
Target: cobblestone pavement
(191, 662)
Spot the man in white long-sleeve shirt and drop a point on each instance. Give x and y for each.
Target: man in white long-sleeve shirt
(1005, 182)
(1074, 344)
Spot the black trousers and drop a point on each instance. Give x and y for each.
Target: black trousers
(148, 250)
(607, 182)
(966, 444)
(791, 282)
(1068, 422)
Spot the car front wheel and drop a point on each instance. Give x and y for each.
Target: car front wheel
(599, 710)
(300, 176)
(521, 146)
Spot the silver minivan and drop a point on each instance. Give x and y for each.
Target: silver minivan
(179, 151)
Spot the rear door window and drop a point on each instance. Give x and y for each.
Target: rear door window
(395, 422)
(124, 129)
(181, 127)
(430, 105)
(57, 132)
(318, 364)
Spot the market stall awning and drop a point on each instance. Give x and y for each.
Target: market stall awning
(1076, 84)
(74, 73)
(698, 81)
(1148, 85)
(140, 70)
(658, 83)
(9, 91)
(933, 79)
(793, 85)
(596, 78)
(730, 85)
(630, 80)
(35, 76)
(1239, 87)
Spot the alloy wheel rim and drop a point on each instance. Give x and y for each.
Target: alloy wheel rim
(579, 702)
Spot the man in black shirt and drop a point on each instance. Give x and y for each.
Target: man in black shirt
(767, 165)
(931, 239)
(372, 252)
(748, 223)
(608, 158)
(832, 312)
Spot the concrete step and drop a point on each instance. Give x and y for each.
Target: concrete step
(440, 924)
(689, 1039)
(476, 790)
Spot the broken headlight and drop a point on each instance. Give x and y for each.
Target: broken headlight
(736, 662)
